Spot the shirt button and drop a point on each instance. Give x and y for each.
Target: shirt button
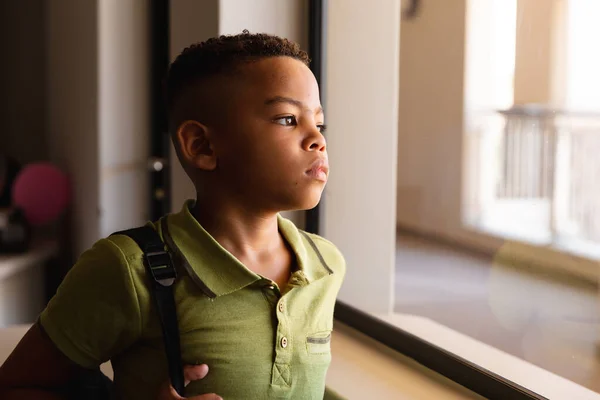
(281, 307)
(284, 342)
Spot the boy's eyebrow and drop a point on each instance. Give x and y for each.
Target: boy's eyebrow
(289, 100)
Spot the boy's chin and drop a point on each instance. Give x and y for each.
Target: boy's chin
(306, 203)
(300, 200)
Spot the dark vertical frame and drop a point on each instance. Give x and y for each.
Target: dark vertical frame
(160, 182)
(317, 38)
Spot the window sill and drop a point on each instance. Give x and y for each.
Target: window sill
(489, 358)
(363, 368)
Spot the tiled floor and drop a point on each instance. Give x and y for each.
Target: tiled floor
(549, 322)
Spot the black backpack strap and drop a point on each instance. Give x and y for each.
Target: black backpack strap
(159, 265)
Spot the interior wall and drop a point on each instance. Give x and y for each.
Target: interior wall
(535, 51)
(559, 55)
(22, 296)
(191, 21)
(124, 113)
(288, 18)
(430, 124)
(363, 52)
(71, 41)
(23, 80)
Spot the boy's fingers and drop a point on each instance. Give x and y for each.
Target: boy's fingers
(194, 372)
(210, 396)
(190, 373)
(173, 393)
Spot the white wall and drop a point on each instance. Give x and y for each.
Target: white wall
(71, 42)
(362, 115)
(124, 113)
(287, 18)
(191, 21)
(98, 110)
(430, 133)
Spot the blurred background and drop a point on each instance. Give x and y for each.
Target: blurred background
(464, 139)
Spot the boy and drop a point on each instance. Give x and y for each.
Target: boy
(254, 295)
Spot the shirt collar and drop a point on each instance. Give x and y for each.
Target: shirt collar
(217, 272)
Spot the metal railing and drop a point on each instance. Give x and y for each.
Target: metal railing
(537, 174)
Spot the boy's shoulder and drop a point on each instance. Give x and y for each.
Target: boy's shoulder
(125, 245)
(329, 251)
(117, 252)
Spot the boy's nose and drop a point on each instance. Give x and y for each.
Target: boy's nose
(315, 142)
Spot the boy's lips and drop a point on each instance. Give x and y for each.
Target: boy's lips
(319, 170)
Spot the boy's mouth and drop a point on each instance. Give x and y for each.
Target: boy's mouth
(319, 170)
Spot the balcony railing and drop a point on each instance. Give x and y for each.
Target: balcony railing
(534, 174)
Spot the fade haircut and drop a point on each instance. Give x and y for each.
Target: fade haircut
(224, 55)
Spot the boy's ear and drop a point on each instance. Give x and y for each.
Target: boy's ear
(195, 145)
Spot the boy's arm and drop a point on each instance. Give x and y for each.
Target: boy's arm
(36, 369)
(94, 315)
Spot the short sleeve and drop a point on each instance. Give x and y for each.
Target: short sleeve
(95, 313)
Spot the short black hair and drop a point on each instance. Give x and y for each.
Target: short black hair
(224, 54)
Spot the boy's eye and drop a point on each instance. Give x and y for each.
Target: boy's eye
(322, 128)
(290, 120)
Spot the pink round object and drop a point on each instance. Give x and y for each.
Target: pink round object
(42, 191)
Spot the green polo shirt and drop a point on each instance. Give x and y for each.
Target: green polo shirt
(259, 343)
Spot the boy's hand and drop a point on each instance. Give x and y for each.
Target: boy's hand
(190, 373)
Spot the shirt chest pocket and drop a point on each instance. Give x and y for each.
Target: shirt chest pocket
(318, 347)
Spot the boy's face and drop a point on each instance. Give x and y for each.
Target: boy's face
(269, 148)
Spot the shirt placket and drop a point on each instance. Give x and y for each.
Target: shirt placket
(281, 375)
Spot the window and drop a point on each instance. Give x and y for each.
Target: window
(531, 152)
(462, 195)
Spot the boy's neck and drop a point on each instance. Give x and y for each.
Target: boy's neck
(241, 231)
